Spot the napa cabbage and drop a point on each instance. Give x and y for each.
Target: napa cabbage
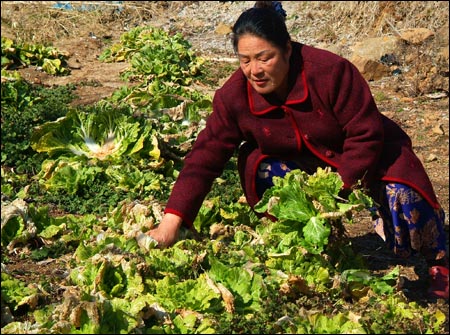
(84, 147)
(105, 134)
(311, 204)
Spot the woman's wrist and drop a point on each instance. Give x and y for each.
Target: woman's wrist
(171, 222)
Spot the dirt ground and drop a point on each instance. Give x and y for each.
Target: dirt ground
(424, 117)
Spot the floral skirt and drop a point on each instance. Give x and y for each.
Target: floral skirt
(405, 221)
(409, 225)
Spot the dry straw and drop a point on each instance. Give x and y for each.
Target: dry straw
(332, 20)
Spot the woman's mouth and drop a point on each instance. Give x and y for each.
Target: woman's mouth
(260, 82)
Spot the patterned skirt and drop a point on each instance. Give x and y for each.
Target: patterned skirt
(404, 220)
(409, 225)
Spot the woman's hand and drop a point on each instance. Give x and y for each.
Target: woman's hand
(166, 232)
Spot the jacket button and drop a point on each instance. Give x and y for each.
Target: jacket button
(329, 153)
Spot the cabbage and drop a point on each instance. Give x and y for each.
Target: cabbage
(83, 145)
(106, 134)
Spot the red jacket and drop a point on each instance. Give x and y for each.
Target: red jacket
(330, 110)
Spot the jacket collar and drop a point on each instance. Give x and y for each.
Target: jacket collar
(297, 94)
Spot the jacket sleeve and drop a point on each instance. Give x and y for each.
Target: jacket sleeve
(213, 147)
(361, 121)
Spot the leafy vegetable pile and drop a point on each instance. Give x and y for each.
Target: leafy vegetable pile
(49, 59)
(109, 168)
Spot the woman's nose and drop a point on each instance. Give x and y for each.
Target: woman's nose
(255, 68)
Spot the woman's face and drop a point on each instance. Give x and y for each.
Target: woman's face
(265, 66)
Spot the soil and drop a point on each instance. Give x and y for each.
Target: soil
(424, 117)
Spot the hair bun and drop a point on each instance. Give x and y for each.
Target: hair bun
(276, 5)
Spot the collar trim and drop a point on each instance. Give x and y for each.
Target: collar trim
(260, 106)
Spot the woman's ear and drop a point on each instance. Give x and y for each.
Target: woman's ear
(288, 49)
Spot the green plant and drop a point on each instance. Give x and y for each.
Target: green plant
(48, 58)
(25, 106)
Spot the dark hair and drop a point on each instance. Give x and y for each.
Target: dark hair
(265, 20)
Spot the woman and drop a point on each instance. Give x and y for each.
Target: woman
(291, 106)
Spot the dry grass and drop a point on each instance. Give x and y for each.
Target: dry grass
(376, 18)
(351, 19)
(20, 19)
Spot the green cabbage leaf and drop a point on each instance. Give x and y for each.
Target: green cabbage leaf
(107, 134)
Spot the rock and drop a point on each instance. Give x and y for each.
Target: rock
(376, 47)
(74, 64)
(416, 35)
(431, 158)
(437, 95)
(371, 70)
(438, 129)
